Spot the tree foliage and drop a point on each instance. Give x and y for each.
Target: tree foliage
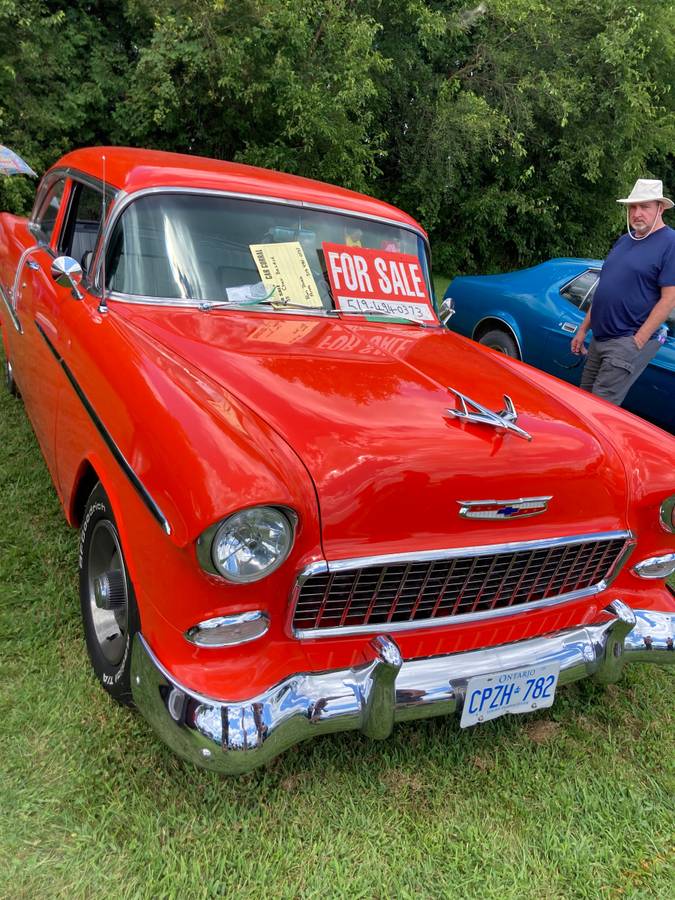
(508, 127)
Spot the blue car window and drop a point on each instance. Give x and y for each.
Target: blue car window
(580, 289)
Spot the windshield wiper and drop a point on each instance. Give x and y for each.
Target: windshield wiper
(246, 304)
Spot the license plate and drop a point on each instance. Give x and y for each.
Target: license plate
(514, 691)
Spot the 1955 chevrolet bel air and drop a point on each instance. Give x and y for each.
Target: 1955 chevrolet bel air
(305, 506)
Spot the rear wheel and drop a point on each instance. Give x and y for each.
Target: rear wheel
(500, 340)
(109, 611)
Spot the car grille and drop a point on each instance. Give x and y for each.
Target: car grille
(482, 581)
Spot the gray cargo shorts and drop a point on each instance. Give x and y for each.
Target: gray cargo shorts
(612, 366)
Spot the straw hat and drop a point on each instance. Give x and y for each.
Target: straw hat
(645, 190)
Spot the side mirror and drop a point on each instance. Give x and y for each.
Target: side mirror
(447, 311)
(67, 272)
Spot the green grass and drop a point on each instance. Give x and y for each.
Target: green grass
(573, 803)
(441, 283)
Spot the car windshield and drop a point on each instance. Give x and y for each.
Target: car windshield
(222, 252)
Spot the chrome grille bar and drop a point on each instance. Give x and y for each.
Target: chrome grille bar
(405, 591)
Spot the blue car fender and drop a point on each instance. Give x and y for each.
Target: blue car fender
(499, 318)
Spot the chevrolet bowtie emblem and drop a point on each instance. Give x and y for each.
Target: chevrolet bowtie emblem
(470, 411)
(503, 509)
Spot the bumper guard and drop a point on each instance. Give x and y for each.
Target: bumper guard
(234, 738)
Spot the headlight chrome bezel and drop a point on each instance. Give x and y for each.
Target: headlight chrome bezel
(667, 514)
(206, 541)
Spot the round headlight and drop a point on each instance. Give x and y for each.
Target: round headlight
(250, 544)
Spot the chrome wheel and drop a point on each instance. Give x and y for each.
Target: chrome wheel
(107, 588)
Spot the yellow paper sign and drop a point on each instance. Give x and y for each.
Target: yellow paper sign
(284, 268)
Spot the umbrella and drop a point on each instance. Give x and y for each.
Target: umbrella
(11, 164)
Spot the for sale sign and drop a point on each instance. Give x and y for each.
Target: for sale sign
(378, 282)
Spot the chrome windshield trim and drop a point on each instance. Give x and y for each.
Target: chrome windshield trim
(124, 199)
(204, 305)
(106, 436)
(434, 555)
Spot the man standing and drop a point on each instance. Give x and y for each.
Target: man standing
(634, 297)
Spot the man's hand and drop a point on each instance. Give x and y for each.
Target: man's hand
(577, 344)
(662, 309)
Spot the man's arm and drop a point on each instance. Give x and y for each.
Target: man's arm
(577, 344)
(662, 309)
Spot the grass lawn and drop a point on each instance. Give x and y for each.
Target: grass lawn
(441, 283)
(576, 802)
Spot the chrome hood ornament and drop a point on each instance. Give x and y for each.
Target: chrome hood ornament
(470, 411)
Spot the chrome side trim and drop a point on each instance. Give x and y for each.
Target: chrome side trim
(10, 309)
(107, 438)
(505, 324)
(233, 737)
(433, 555)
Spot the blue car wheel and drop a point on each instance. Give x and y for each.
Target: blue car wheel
(499, 340)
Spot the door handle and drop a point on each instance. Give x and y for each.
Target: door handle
(33, 265)
(568, 327)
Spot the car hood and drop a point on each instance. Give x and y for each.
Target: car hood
(364, 405)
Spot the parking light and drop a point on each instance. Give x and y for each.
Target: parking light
(656, 566)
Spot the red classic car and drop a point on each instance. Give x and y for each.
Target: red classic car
(305, 506)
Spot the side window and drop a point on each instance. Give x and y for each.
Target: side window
(80, 232)
(49, 210)
(581, 289)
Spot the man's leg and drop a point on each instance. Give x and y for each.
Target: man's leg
(591, 367)
(621, 365)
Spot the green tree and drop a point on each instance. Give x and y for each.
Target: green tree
(63, 70)
(287, 85)
(507, 127)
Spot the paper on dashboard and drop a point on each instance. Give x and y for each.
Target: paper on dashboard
(284, 268)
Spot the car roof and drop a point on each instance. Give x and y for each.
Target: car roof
(131, 169)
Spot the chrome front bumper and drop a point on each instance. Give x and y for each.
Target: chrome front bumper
(234, 738)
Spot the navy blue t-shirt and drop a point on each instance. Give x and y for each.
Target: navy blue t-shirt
(630, 283)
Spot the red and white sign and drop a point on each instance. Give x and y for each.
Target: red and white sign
(378, 282)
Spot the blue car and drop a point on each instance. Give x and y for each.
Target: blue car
(532, 314)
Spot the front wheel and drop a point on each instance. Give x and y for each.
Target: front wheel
(501, 341)
(109, 611)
